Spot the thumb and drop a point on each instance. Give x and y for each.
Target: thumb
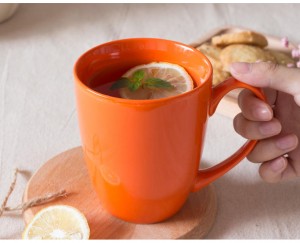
(269, 75)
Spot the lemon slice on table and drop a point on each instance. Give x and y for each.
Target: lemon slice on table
(57, 222)
(174, 74)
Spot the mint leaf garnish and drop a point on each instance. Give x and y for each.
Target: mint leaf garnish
(137, 81)
(120, 83)
(133, 86)
(138, 76)
(157, 83)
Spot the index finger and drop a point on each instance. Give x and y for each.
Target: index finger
(269, 75)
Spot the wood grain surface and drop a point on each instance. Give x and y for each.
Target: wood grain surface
(67, 171)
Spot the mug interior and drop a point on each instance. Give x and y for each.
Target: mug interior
(108, 62)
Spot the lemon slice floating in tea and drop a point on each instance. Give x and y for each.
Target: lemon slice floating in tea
(178, 78)
(57, 222)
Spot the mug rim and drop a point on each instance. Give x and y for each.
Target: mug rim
(89, 90)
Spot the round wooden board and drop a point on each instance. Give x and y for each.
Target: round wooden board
(67, 171)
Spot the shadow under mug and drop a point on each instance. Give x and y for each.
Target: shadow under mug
(143, 155)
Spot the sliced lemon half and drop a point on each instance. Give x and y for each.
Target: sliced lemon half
(57, 223)
(176, 75)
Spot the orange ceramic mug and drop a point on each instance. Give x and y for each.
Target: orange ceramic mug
(143, 155)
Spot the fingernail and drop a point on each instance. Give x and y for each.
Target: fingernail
(287, 142)
(277, 165)
(240, 68)
(269, 128)
(262, 113)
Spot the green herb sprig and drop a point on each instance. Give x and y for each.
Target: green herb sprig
(138, 81)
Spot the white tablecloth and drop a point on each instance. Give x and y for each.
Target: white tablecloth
(38, 48)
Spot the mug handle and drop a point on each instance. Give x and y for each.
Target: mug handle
(206, 176)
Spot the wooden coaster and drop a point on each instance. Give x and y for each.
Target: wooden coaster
(67, 171)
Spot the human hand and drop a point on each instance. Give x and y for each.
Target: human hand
(277, 124)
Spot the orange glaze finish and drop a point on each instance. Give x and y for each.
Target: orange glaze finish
(143, 155)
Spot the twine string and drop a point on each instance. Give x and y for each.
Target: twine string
(30, 203)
